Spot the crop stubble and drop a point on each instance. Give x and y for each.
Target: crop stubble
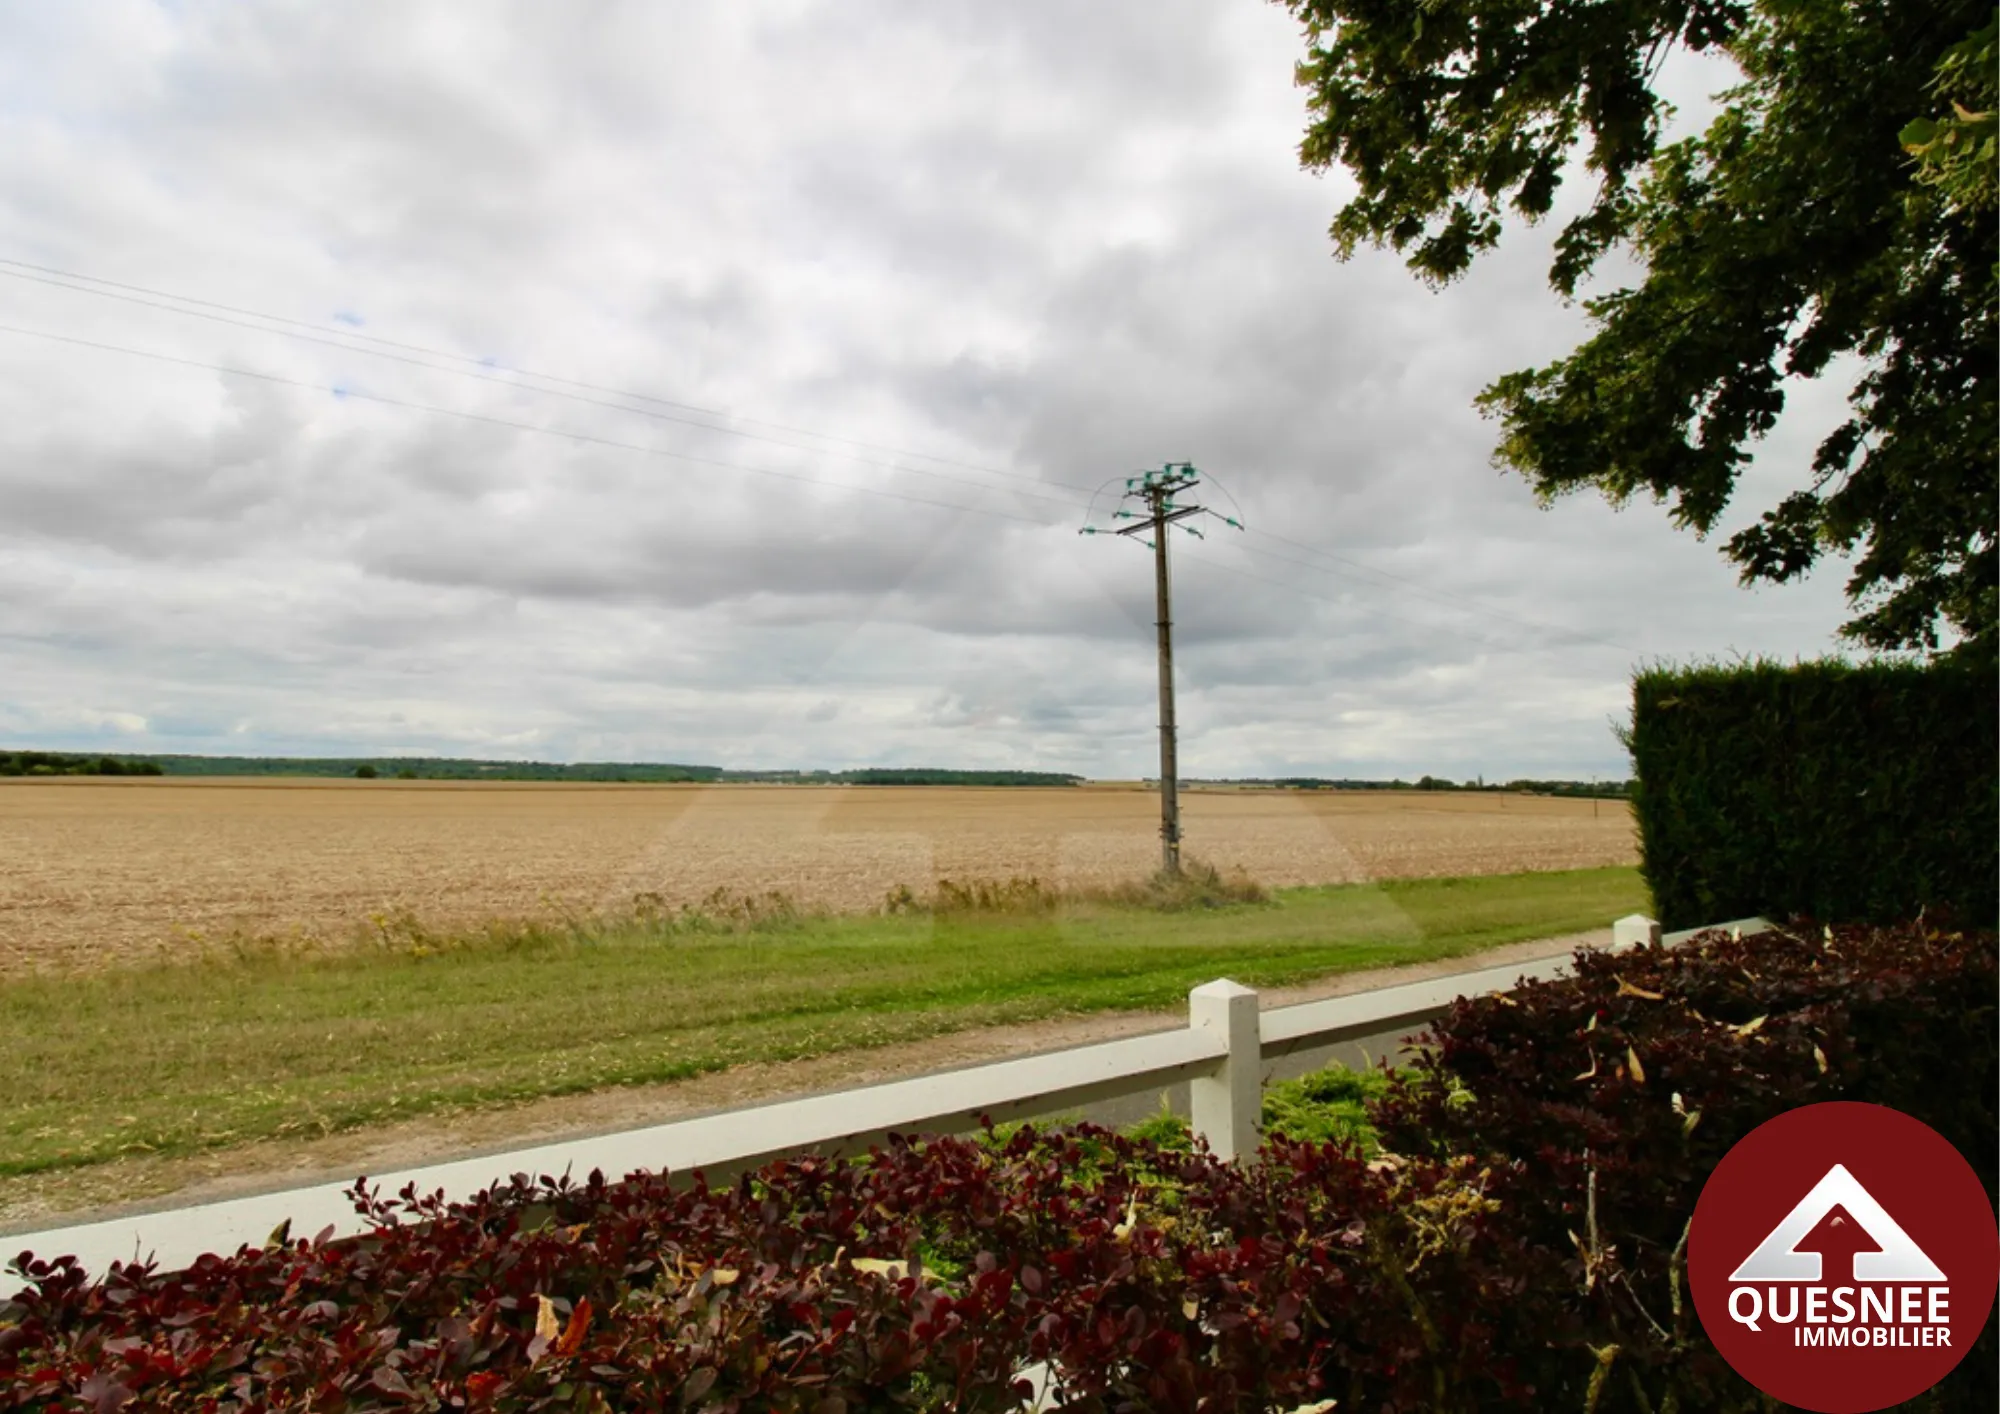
(96, 871)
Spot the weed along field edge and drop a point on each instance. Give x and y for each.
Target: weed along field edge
(119, 1071)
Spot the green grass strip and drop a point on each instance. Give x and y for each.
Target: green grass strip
(183, 1059)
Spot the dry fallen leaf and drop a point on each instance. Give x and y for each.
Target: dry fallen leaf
(579, 1324)
(1123, 1231)
(1632, 1063)
(1593, 1068)
(547, 1325)
(1626, 989)
(1819, 1059)
(879, 1266)
(1752, 1026)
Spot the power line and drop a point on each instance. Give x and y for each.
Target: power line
(594, 440)
(517, 426)
(1242, 573)
(357, 335)
(1358, 605)
(1442, 596)
(338, 343)
(347, 340)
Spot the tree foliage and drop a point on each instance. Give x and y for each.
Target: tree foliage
(1956, 151)
(1839, 206)
(56, 763)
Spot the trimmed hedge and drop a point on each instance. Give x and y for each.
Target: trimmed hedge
(1824, 790)
(924, 1277)
(1438, 1276)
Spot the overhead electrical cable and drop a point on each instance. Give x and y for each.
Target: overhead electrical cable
(1445, 600)
(354, 333)
(1442, 596)
(591, 438)
(1362, 607)
(336, 343)
(485, 370)
(360, 337)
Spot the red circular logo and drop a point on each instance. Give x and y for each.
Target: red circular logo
(1843, 1257)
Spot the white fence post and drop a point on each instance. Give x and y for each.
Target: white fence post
(1635, 930)
(1228, 1106)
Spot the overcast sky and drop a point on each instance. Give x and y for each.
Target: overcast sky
(1006, 252)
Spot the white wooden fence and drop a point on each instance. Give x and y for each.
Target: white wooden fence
(1220, 1053)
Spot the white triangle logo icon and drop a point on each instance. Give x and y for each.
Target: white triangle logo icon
(1777, 1257)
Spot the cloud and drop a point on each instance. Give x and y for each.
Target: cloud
(1043, 245)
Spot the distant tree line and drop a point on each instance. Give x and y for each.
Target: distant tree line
(1613, 790)
(55, 763)
(675, 773)
(436, 768)
(452, 768)
(1610, 790)
(449, 768)
(910, 776)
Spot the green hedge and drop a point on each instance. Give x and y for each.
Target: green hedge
(1842, 792)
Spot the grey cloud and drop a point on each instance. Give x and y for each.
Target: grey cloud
(1060, 243)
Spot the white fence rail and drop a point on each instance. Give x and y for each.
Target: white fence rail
(1221, 1053)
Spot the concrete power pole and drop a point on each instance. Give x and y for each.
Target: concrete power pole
(1156, 489)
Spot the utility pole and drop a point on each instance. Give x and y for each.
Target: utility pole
(1156, 489)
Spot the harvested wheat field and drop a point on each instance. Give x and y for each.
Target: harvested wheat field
(95, 871)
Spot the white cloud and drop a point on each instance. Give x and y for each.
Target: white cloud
(1040, 242)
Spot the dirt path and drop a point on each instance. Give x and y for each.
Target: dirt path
(106, 1190)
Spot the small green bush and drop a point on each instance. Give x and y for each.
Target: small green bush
(1327, 1106)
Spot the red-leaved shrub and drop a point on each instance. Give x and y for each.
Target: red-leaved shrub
(1604, 1100)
